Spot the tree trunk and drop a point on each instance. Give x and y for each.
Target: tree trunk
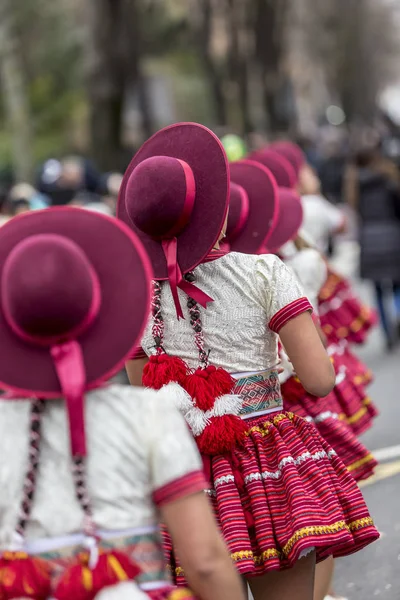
(213, 73)
(115, 67)
(239, 62)
(15, 96)
(270, 43)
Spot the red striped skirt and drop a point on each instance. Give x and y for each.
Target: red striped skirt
(281, 494)
(342, 315)
(327, 416)
(350, 392)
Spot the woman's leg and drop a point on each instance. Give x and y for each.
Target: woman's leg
(295, 583)
(323, 578)
(385, 321)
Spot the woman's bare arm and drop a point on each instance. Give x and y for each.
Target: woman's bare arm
(205, 559)
(304, 347)
(134, 370)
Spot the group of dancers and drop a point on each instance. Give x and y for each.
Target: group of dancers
(232, 460)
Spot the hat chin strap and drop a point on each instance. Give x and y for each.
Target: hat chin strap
(70, 367)
(176, 280)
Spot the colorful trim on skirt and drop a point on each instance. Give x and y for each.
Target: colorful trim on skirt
(356, 405)
(325, 414)
(342, 315)
(282, 493)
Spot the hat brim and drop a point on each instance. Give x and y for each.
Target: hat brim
(203, 152)
(262, 191)
(279, 166)
(289, 220)
(291, 152)
(120, 263)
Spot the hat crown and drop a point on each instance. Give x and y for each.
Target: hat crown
(160, 196)
(48, 287)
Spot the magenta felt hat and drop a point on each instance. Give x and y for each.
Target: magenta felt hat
(279, 166)
(291, 152)
(65, 326)
(261, 190)
(289, 220)
(174, 196)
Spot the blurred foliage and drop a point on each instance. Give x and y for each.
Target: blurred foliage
(228, 63)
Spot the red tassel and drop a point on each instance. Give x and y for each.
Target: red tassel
(162, 369)
(23, 576)
(205, 385)
(221, 435)
(80, 582)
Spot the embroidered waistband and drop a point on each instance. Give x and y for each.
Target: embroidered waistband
(260, 393)
(45, 545)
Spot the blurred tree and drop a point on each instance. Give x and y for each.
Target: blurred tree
(202, 20)
(355, 41)
(15, 93)
(116, 49)
(239, 33)
(270, 27)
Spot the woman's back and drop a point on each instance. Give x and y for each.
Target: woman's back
(248, 292)
(134, 445)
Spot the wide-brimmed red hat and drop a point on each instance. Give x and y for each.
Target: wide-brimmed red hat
(254, 207)
(65, 326)
(289, 220)
(292, 152)
(174, 196)
(279, 166)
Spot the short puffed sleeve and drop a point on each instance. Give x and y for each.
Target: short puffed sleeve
(175, 463)
(282, 296)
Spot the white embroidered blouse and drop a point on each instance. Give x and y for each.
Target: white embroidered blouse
(311, 271)
(140, 455)
(254, 296)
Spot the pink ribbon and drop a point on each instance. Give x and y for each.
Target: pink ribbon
(70, 367)
(176, 280)
(170, 248)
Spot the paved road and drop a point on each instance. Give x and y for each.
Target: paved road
(375, 571)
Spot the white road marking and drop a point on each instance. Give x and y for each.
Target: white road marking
(384, 454)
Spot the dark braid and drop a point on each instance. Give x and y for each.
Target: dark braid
(35, 430)
(196, 324)
(195, 321)
(82, 494)
(158, 321)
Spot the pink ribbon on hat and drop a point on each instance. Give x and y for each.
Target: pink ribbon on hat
(170, 248)
(70, 367)
(176, 280)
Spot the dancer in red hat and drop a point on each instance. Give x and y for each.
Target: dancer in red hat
(282, 496)
(86, 470)
(343, 316)
(326, 413)
(357, 407)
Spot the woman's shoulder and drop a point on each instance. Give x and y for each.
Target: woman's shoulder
(251, 261)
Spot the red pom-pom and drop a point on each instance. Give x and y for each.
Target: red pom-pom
(205, 385)
(23, 576)
(221, 435)
(162, 369)
(82, 583)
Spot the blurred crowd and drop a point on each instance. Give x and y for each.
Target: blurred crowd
(360, 174)
(70, 181)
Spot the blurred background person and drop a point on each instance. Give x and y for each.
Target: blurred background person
(372, 189)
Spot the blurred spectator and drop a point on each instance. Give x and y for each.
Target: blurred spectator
(372, 188)
(62, 179)
(321, 219)
(109, 186)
